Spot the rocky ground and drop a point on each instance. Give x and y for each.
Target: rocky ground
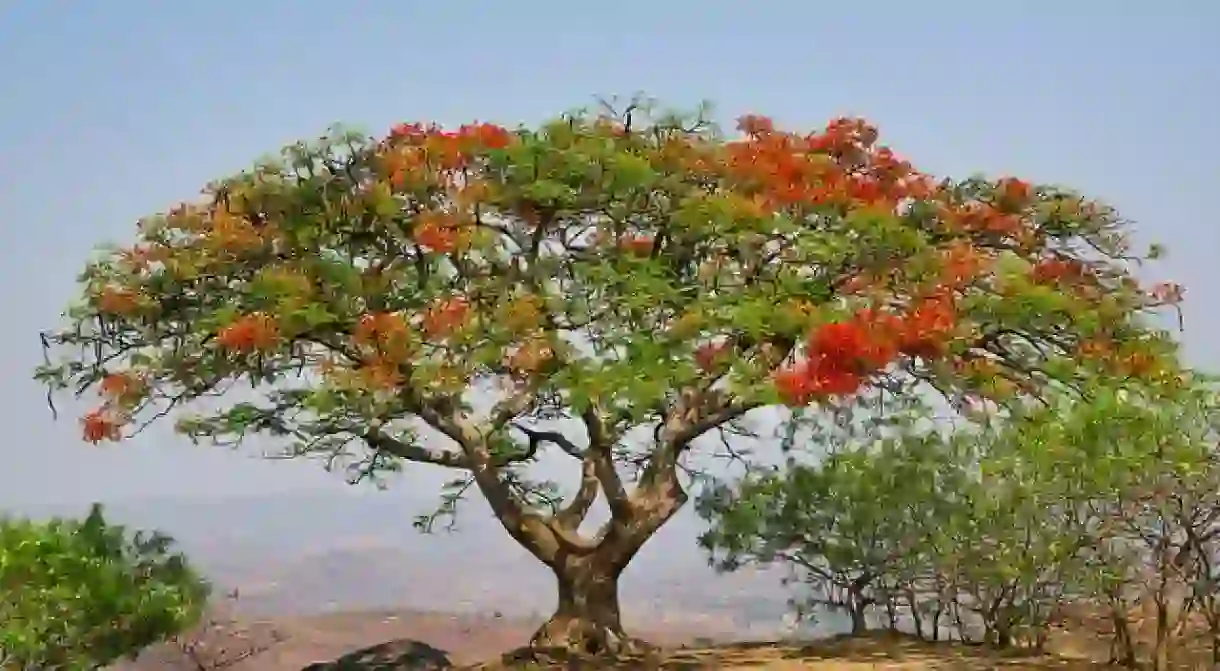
(387, 641)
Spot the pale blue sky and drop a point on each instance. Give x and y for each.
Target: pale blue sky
(114, 110)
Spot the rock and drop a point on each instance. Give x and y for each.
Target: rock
(401, 655)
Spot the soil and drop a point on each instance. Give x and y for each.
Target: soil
(388, 641)
(877, 651)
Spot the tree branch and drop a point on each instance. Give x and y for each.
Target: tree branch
(556, 438)
(600, 446)
(416, 453)
(572, 515)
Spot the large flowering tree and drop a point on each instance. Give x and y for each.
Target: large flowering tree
(441, 296)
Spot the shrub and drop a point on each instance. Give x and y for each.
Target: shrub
(80, 594)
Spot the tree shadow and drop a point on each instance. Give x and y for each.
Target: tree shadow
(400, 655)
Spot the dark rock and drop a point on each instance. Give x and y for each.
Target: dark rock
(400, 655)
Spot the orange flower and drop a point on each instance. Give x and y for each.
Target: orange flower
(711, 356)
(638, 245)
(381, 373)
(385, 331)
(882, 335)
(962, 263)
(440, 232)
(927, 327)
(1054, 270)
(409, 132)
(375, 327)
(121, 387)
(232, 232)
(99, 425)
(118, 301)
(522, 314)
(1012, 194)
(445, 317)
(1094, 349)
(401, 164)
(828, 379)
(251, 333)
(1138, 364)
(485, 135)
(794, 385)
(813, 379)
(530, 357)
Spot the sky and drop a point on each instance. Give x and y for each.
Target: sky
(111, 111)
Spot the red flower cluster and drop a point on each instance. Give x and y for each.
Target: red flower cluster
(99, 425)
(451, 149)
(840, 165)
(638, 245)
(250, 333)
(840, 356)
(710, 356)
(445, 317)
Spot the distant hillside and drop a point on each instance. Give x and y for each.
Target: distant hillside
(305, 553)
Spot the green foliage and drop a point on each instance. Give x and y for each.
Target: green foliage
(80, 594)
(995, 525)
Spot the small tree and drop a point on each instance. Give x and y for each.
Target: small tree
(843, 526)
(78, 595)
(1110, 499)
(635, 278)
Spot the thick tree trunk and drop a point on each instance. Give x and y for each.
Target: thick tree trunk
(587, 619)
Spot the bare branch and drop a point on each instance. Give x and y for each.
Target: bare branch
(416, 453)
(572, 515)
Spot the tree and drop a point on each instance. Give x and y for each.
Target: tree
(633, 277)
(81, 594)
(1153, 468)
(843, 526)
(1005, 519)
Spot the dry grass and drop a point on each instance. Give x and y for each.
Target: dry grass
(880, 651)
(405, 640)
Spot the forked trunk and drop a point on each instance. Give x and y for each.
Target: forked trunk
(587, 620)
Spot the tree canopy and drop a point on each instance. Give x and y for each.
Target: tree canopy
(416, 297)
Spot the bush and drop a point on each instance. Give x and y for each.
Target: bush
(81, 594)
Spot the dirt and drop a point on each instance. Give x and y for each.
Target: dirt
(880, 651)
(292, 643)
(415, 641)
(389, 641)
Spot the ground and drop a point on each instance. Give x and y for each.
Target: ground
(478, 642)
(879, 651)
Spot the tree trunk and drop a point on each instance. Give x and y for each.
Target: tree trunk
(1123, 648)
(912, 599)
(587, 619)
(859, 624)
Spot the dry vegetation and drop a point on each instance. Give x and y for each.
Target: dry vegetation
(386, 641)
